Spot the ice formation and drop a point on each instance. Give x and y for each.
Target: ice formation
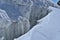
(17, 25)
(19, 16)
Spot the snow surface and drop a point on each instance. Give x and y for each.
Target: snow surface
(47, 29)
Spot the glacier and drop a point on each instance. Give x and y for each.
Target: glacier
(47, 29)
(19, 17)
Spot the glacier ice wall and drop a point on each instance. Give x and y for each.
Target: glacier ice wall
(19, 16)
(12, 29)
(39, 9)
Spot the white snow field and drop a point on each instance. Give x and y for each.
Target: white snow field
(47, 29)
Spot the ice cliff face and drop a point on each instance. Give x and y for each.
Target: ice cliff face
(19, 24)
(12, 29)
(23, 15)
(40, 9)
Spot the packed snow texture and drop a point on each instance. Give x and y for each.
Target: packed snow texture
(17, 17)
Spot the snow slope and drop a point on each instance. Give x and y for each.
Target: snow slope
(47, 29)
